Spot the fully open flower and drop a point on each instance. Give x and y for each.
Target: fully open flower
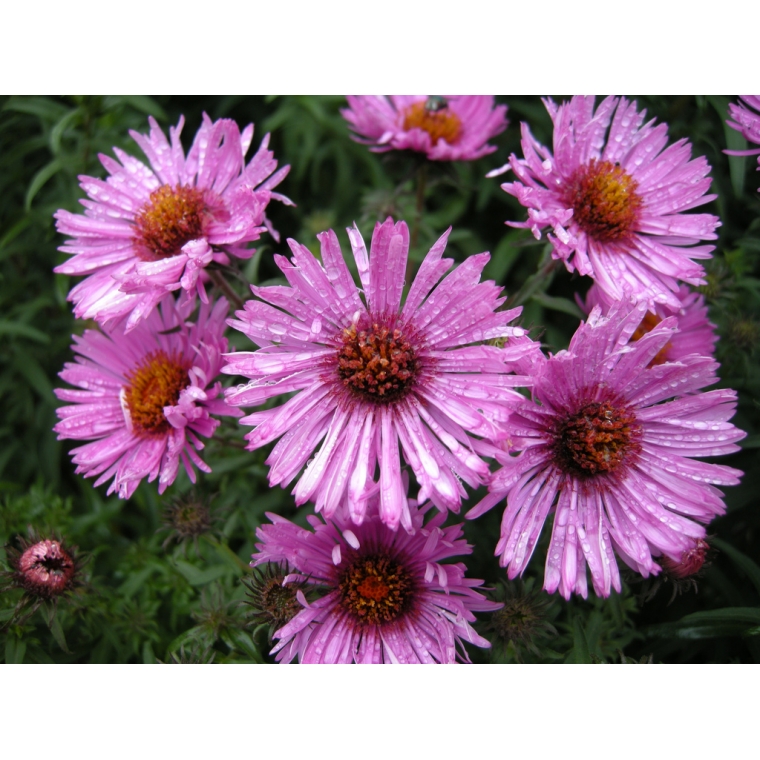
(148, 231)
(614, 200)
(607, 445)
(369, 376)
(145, 397)
(450, 128)
(695, 333)
(390, 596)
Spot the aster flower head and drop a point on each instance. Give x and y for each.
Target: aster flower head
(746, 119)
(389, 596)
(607, 445)
(444, 128)
(695, 333)
(146, 397)
(149, 230)
(613, 196)
(370, 374)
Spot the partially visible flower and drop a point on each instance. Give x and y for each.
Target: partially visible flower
(187, 518)
(613, 196)
(450, 128)
(145, 397)
(149, 231)
(372, 375)
(390, 597)
(607, 444)
(746, 119)
(690, 562)
(695, 333)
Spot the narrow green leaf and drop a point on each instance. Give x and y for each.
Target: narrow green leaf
(56, 133)
(729, 621)
(30, 368)
(14, 231)
(581, 652)
(22, 330)
(565, 305)
(196, 577)
(741, 560)
(136, 581)
(44, 108)
(58, 635)
(14, 651)
(39, 179)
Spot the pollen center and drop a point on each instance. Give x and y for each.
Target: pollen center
(172, 217)
(604, 201)
(376, 589)
(155, 383)
(595, 440)
(378, 365)
(437, 119)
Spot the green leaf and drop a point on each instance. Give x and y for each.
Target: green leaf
(44, 108)
(57, 631)
(741, 560)
(581, 653)
(565, 305)
(136, 581)
(30, 368)
(39, 179)
(56, 133)
(143, 103)
(729, 621)
(14, 651)
(196, 577)
(25, 331)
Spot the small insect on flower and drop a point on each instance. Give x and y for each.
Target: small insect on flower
(450, 128)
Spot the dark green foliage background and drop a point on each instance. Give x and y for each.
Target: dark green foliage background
(142, 602)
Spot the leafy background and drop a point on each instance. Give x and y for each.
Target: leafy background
(148, 597)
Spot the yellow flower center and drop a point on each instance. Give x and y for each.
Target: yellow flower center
(604, 201)
(441, 123)
(153, 384)
(648, 324)
(172, 217)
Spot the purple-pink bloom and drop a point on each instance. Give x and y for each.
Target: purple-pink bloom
(146, 396)
(746, 119)
(695, 334)
(151, 230)
(390, 596)
(606, 444)
(370, 374)
(613, 197)
(450, 128)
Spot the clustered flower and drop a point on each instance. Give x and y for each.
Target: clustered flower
(361, 386)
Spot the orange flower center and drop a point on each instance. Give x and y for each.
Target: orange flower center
(648, 324)
(154, 383)
(595, 440)
(172, 217)
(376, 589)
(378, 365)
(604, 201)
(439, 121)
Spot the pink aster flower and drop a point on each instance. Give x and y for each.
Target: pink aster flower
(613, 196)
(695, 333)
(390, 595)
(606, 445)
(450, 128)
(746, 119)
(149, 231)
(145, 397)
(369, 376)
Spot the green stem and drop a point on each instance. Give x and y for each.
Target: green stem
(224, 286)
(540, 281)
